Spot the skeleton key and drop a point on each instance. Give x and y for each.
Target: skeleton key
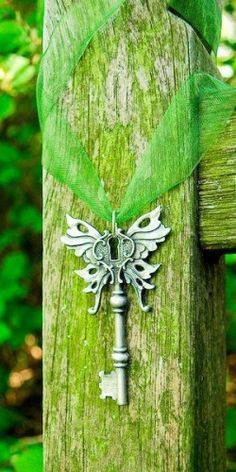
(117, 258)
(117, 381)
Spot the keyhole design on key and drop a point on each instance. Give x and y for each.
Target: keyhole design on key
(114, 248)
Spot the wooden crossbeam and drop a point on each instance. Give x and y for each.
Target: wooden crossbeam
(217, 193)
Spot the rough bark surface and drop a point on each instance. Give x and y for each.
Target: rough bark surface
(175, 419)
(217, 192)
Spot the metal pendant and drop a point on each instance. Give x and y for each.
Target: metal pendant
(117, 258)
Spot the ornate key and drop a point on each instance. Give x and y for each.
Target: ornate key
(117, 258)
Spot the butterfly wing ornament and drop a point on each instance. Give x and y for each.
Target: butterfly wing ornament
(147, 234)
(82, 238)
(117, 258)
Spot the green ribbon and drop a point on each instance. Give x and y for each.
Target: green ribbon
(205, 16)
(191, 124)
(196, 116)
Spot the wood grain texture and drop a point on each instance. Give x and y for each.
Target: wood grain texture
(175, 419)
(217, 193)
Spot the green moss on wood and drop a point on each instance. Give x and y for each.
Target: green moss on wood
(217, 193)
(174, 421)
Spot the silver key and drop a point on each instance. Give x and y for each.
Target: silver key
(117, 258)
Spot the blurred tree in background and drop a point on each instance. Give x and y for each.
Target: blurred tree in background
(20, 238)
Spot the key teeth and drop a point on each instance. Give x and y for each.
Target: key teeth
(103, 397)
(108, 385)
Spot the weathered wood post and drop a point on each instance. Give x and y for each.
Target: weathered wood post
(175, 418)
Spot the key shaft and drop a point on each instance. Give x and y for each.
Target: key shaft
(120, 355)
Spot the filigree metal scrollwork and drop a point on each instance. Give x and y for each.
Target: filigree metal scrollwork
(125, 264)
(117, 258)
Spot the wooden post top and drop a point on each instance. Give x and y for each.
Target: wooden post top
(217, 193)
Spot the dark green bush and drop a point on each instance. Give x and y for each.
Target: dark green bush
(20, 239)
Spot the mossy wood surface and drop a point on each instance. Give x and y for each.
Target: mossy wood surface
(217, 193)
(175, 419)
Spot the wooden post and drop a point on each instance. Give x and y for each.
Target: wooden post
(217, 193)
(175, 419)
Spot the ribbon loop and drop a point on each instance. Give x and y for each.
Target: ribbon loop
(195, 117)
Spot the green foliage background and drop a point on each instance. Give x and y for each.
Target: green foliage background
(20, 240)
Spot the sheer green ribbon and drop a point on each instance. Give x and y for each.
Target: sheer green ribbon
(194, 119)
(204, 16)
(196, 116)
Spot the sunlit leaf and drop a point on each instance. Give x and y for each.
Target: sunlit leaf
(230, 259)
(14, 266)
(5, 452)
(231, 289)
(40, 14)
(5, 333)
(23, 77)
(12, 36)
(231, 427)
(29, 460)
(19, 70)
(7, 106)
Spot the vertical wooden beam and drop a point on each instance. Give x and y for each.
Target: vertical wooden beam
(175, 419)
